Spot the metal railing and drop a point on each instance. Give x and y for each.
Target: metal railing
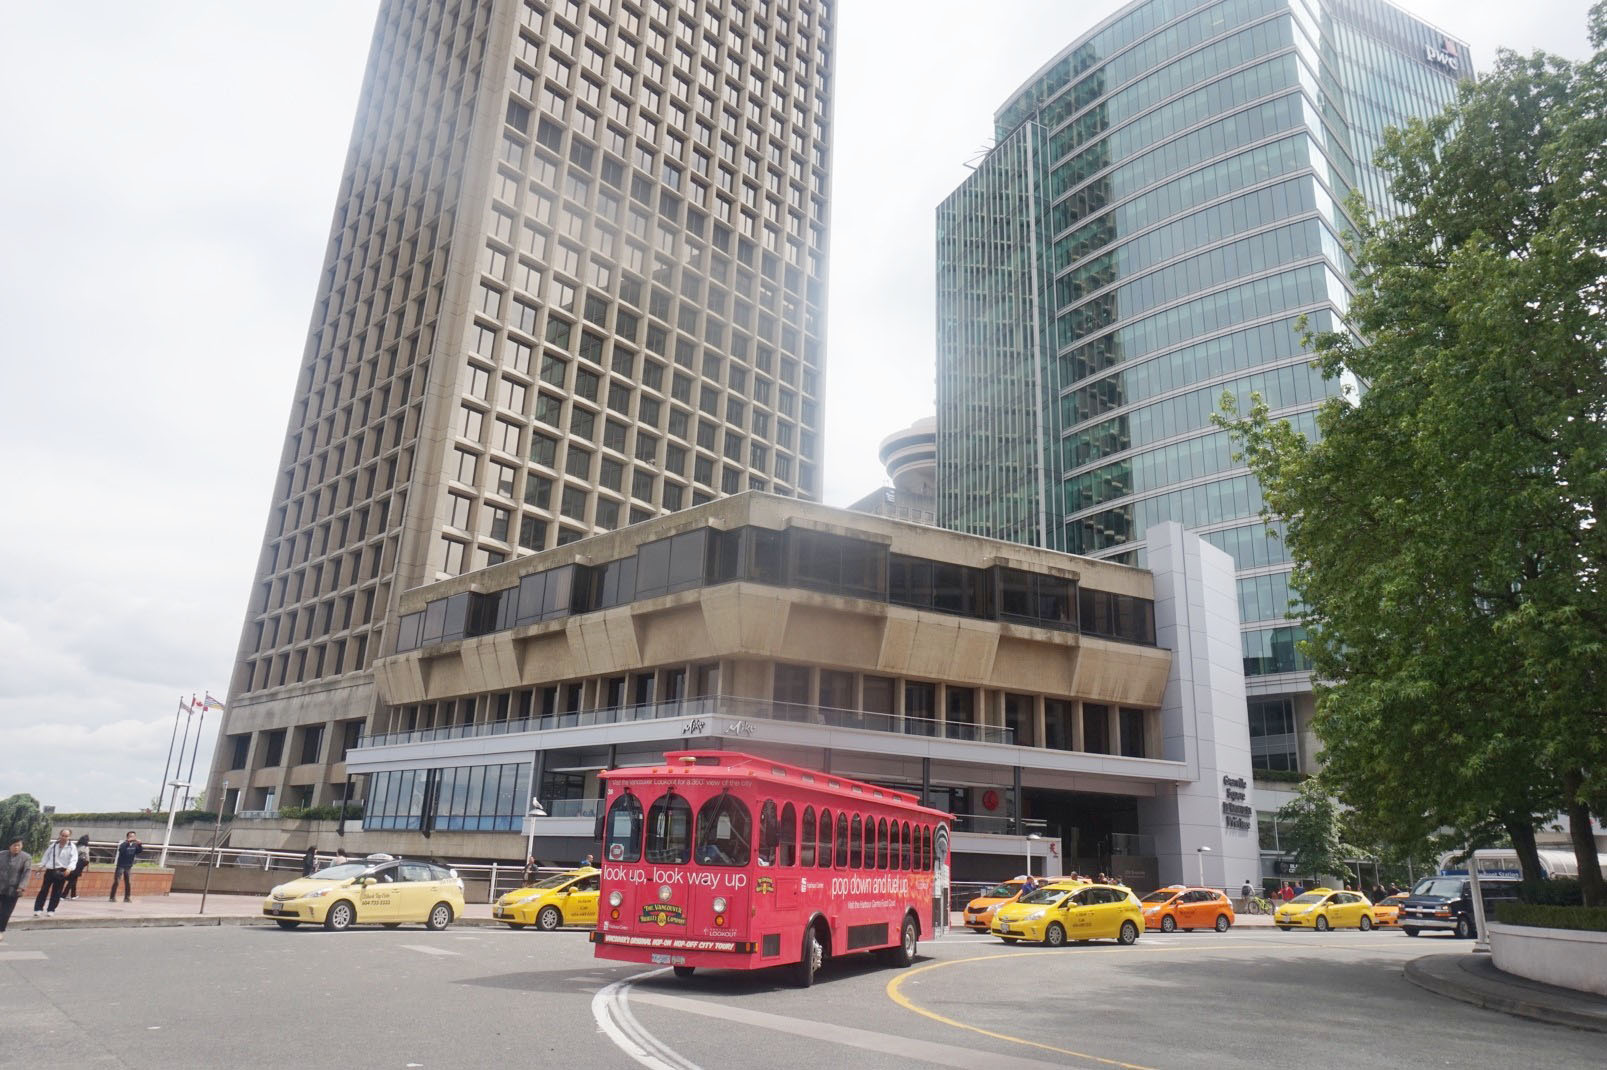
(707, 707)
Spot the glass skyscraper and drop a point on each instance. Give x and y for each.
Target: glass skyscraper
(1163, 204)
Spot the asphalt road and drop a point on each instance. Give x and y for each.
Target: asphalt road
(252, 996)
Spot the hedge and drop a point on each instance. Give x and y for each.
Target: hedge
(1580, 919)
(134, 817)
(1281, 776)
(1553, 892)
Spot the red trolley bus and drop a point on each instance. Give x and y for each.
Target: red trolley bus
(731, 861)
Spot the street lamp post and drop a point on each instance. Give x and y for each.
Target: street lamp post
(1200, 853)
(1030, 837)
(217, 831)
(172, 811)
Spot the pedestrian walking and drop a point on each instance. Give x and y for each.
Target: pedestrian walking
(71, 891)
(589, 863)
(309, 863)
(127, 851)
(58, 861)
(530, 870)
(14, 867)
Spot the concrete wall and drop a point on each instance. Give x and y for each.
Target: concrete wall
(1203, 715)
(1563, 957)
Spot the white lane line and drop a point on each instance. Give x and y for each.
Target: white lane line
(21, 956)
(864, 1039)
(425, 949)
(614, 1019)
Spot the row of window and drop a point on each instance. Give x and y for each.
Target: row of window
(484, 798)
(723, 835)
(792, 558)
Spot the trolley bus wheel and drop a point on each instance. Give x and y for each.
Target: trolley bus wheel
(908, 938)
(804, 973)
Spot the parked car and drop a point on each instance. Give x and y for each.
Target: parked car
(979, 911)
(1386, 912)
(565, 899)
(1182, 907)
(1055, 913)
(1445, 904)
(389, 893)
(1323, 909)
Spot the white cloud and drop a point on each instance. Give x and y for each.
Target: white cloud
(170, 192)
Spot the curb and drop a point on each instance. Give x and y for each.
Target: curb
(1422, 973)
(183, 921)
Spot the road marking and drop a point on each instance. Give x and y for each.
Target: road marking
(864, 1039)
(425, 949)
(898, 997)
(611, 1011)
(21, 956)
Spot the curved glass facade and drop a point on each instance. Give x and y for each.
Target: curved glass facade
(1162, 208)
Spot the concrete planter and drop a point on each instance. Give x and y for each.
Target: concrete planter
(1567, 958)
(146, 880)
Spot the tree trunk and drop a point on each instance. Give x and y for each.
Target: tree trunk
(1584, 843)
(1521, 829)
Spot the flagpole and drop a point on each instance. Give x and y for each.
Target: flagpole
(189, 712)
(162, 791)
(191, 778)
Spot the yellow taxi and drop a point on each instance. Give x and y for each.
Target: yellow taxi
(565, 899)
(1323, 909)
(1387, 911)
(388, 892)
(979, 911)
(1067, 910)
(1180, 907)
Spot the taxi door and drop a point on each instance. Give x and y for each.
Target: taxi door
(1081, 914)
(1350, 909)
(580, 901)
(1111, 902)
(417, 892)
(1188, 910)
(380, 900)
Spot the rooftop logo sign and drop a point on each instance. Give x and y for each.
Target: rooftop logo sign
(1444, 56)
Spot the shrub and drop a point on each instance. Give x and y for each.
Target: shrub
(330, 812)
(1555, 892)
(1280, 776)
(1544, 916)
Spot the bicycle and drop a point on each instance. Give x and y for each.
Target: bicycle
(1258, 905)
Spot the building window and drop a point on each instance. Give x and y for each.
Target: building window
(1274, 743)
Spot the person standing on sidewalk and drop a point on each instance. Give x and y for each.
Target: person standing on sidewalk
(127, 851)
(59, 859)
(309, 862)
(71, 891)
(14, 867)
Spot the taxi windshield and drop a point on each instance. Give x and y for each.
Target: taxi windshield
(342, 872)
(999, 891)
(1042, 896)
(1309, 897)
(553, 882)
(1162, 896)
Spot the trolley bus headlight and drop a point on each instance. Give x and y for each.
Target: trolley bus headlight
(664, 893)
(615, 898)
(719, 904)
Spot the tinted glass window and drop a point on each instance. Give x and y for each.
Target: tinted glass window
(806, 838)
(765, 556)
(823, 858)
(669, 830)
(769, 833)
(687, 552)
(457, 617)
(653, 568)
(434, 621)
(855, 843)
(842, 841)
(623, 839)
(909, 581)
(724, 832)
(786, 841)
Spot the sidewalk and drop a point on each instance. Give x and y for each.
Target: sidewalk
(1473, 978)
(178, 908)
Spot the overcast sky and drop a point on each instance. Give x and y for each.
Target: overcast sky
(171, 170)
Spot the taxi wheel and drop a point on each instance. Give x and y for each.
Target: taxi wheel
(1222, 923)
(1054, 936)
(1366, 923)
(1322, 923)
(440, 917)
(283, 924)
(340, 917)
(549, 919)
(1129, 934)
(685, 971)
(1168, 924)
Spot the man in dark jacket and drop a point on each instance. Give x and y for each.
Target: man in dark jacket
(127, 852)
(14, 867)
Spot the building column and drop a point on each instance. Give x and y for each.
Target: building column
(941, 714)
(1039, 727)
(1079, 739)
(1016, 828)
(1113, 728)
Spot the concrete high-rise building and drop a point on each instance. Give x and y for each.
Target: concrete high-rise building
(1163, 204)
(575, 280)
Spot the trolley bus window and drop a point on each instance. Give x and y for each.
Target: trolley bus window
(855, 846)
(724, 831)
(842, 841)
(669, 830)
(788, 839)
(624, 842)
(881, 842)
(806, 838)
(905, 850)
(769, 833)
(824, 859)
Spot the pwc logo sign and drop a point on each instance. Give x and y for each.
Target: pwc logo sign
(1444, 56)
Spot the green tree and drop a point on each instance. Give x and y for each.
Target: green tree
(20, 816)
(1312, 826)
(1447, 523)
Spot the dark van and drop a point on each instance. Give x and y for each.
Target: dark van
(1446, 904)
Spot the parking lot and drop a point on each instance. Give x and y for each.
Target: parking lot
(257, 996)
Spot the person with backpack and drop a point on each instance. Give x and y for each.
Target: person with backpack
(71, 891)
